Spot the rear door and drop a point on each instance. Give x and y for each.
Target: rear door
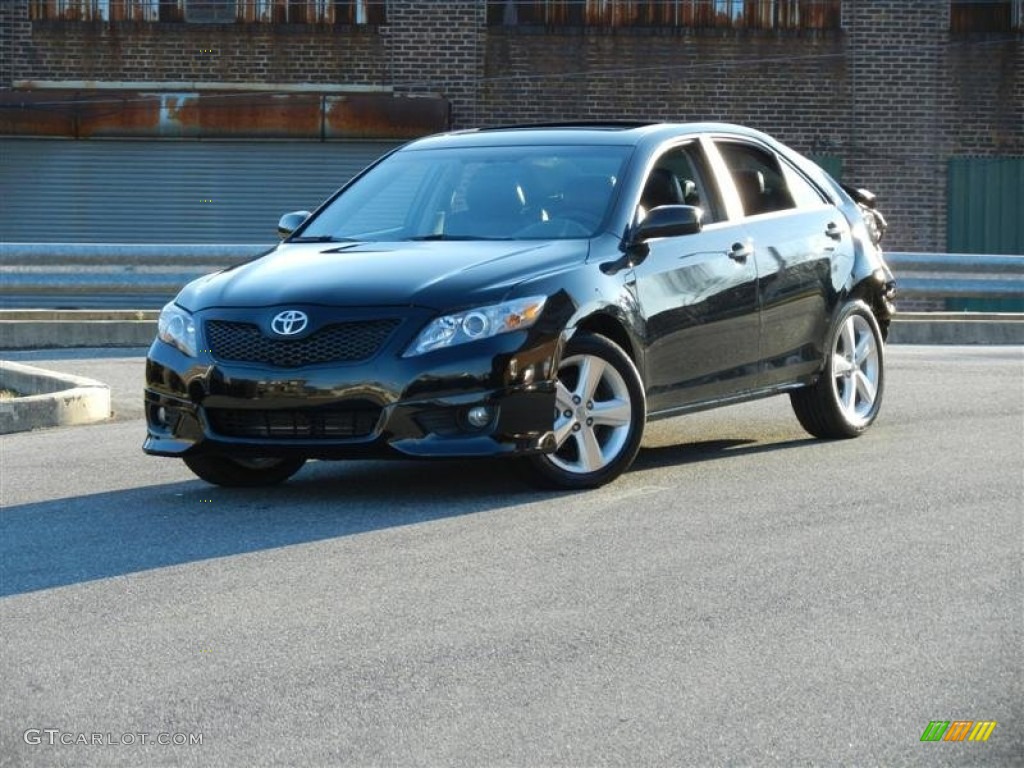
(796, 237)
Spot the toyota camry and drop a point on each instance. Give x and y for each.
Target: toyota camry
(536, 292)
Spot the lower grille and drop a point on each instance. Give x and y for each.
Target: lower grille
(442, 421)
(337, 343)
(325, 423)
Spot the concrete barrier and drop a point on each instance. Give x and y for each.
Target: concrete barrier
(49, 399)
(43, 329)
(957, 328)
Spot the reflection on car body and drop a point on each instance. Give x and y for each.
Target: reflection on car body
(535, 292)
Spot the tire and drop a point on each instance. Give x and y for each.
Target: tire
(600, 411)
(845, 400)
(242, 473)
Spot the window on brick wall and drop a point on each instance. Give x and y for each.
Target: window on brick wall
(750, 14)
(986, 15)
(94, 10)
(213, 11)
(210, 11)
(313, 11)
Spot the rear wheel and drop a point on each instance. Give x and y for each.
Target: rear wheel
(599, 416)
(242, 473)
(846, 399)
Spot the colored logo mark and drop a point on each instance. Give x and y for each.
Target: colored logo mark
(958, 730)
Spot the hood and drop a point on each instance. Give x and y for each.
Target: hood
(436, 274)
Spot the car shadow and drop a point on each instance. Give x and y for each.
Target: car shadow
(709, 450)
(83, 538)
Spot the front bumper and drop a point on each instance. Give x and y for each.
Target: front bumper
(389, 406)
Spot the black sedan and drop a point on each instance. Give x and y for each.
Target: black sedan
(533, 292)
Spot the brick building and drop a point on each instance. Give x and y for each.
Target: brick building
(920, 100)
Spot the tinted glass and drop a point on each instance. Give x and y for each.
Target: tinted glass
(531, 193)
(757, 176)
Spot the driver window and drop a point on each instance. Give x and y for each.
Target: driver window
(679, 178)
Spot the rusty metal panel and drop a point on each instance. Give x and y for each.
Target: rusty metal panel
(128, 115)
(370, 115)
(212, 115)
(256, 116)
(32, 113)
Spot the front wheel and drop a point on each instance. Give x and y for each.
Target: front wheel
(846, 399)
(600, 412)
(242, 473)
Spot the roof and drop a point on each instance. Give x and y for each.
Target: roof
(624, 133)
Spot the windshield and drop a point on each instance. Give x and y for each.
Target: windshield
(479, 193)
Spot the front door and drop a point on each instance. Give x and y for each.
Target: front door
(698, 293)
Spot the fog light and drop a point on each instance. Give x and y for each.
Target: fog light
(478, 416)
(161, 416)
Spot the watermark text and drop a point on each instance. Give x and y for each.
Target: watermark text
(55, 736)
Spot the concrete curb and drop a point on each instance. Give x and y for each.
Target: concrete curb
(52, 399)
(957, 328)
(44, 329)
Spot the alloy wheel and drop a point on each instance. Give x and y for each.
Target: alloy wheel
(855, 369)
(593, 414)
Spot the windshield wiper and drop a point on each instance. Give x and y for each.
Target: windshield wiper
(322, 239)
(423, 238)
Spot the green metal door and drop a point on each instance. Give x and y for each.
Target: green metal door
(986, 215)
(986, 201)
(833, 165)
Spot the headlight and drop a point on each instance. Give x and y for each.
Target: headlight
(177, 328)
(475, 324)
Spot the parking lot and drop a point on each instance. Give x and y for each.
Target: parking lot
(744, 595)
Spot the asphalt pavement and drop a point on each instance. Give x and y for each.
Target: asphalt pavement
(744, 596)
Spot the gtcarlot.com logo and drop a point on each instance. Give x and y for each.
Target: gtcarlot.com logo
(54, 736)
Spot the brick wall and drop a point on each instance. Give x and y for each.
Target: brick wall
(57, 50)
(983, 103)
(898, 141)
(788, 84)
(892, 93)
(438, 47)
(15, 30)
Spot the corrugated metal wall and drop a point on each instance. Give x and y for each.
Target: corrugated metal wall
(986, 205)
(166, 191)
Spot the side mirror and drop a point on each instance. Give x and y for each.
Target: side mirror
(290, 222)
(663, 221)
(668, 221)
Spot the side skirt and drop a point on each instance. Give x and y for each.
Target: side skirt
(740, 397)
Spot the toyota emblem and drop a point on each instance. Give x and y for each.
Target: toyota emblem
(289, 323)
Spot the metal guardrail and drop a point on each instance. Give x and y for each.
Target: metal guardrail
(101, 275)
(957, 275)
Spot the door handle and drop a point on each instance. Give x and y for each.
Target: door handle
(740, 252)
(833, 231)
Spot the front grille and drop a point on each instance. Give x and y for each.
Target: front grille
(321, 423)
(338, 343)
